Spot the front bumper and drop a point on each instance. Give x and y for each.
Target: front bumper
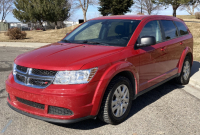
(77, 98)
(49, 119)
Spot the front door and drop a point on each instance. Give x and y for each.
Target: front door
(150, 70)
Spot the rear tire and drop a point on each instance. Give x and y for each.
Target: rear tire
(184, 77)
(117, 101)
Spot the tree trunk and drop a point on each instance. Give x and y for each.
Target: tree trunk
(192, 10)
(149, 12)
(174, 9)
(42, 26)
(84, 14)
(2, 19)
(56, 25)
(174, 12)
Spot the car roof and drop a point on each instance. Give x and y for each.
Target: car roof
(135, 17)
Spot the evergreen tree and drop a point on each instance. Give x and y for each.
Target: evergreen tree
(21, 11)
(115, 7)
(41, 10)
(58, 10)
(30, 11)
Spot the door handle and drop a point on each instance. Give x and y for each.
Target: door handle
(163, 49)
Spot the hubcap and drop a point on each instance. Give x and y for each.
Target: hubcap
(120, 100)
(186, 70)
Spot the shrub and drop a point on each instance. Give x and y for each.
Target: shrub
(15, 33)
(197, 15)
(23, 34)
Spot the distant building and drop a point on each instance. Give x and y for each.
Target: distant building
(17, 24)
(70, 23)
(25, 26)
(47, 25)
(3, 21)
(4, 26)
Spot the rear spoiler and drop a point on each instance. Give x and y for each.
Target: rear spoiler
(181, 19)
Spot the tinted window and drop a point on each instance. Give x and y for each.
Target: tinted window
(169, 29)
(152, 29)
(182, 29)
(124, 29)
(103, 32)
(113, 26)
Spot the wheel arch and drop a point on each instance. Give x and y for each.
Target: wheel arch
(189, 54)
(125, 69)
(186, 52)
(131, 78)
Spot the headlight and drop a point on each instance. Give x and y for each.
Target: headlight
(75, 77)
(14, 68)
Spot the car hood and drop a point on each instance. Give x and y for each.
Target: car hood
(64, 56)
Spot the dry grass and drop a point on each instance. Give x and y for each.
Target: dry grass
(195, 30)
(186, 16)
(49, 36)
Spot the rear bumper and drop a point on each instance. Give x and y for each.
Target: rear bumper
(49, 119)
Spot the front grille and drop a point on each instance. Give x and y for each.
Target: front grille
(39, 82)
(44, 72)
(30, 103)
(22, 69)
(59, 111)
(20, 78)
(35, 78)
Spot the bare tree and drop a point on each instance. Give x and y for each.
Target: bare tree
(147, 6)
(191, 6)
(84, 4)
(5, 8)
(151, 7)
(139, 6)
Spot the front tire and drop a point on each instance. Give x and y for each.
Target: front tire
(184, 77)
(117, 101)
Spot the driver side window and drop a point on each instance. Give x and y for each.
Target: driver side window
(152, 28)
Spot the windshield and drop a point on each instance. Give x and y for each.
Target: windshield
(103, 32)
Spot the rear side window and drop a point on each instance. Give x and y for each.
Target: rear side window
(169, 29)
(182, 29)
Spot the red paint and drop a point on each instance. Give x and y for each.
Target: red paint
(149, 66)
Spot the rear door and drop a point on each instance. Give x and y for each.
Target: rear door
(173, 47)
(182, 33)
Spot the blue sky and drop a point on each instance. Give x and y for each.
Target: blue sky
(93, 12)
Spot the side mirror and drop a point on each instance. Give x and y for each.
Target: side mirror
(147, 41)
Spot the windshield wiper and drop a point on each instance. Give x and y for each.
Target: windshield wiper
(66, 41)
(90, 42)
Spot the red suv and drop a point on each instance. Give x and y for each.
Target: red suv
(100, 67)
